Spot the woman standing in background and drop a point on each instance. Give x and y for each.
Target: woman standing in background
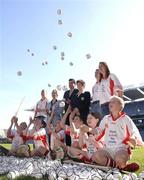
(109, 85)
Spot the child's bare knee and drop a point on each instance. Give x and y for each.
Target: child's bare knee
(120, 163)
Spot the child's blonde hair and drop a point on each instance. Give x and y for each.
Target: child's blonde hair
(119, 100)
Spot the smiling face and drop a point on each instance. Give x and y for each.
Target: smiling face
(21, 127)
(37, 123)
(92, 121)
(43, 93)
(54, 94)
(97, 75)
(77, 122)
(71, 84)
(104, 70)
(80, 86)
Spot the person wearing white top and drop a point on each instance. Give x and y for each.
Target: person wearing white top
(95, 104)
(109, 85)
(119, 133)
(41, 107)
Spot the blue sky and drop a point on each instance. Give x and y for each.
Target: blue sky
(109, 30)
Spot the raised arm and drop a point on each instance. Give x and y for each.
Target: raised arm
(72, 125)
(82, 139)
(65, 117)
(51, 117)
(16, 122)
(30, 123)
(9, 134)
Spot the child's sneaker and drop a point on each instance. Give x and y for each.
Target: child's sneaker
(131, 167)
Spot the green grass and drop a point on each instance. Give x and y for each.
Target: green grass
(137, 156)
(8, 146)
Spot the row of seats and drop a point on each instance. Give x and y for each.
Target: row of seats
(135, 108)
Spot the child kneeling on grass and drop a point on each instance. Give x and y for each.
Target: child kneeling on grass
(59, 148)
(88, 144)
(18, 147)
(118, 131)
(38, 135)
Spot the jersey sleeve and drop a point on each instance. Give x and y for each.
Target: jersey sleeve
(61, 135)
(134, 132)
(12, 134)
(117, 84)
(102, 128)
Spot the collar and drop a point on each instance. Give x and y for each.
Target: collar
(121, 114)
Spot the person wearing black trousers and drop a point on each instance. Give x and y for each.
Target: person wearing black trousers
(68, 95)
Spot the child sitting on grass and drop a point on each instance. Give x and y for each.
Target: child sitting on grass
(38, 135)
(87, 142)
(57, 138)
(118, 131)
(73, 130)
(18, 140)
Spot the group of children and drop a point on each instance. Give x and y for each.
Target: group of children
(107, 142)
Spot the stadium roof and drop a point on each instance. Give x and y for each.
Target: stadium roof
(132, 93)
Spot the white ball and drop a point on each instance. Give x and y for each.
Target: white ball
(133, 176)
(109, 176)
(37, 175)
(19, 73)
(62, 54)
(60, 178)
(117, 175)
(52, 175)
(126, 177)
(88, 56)
(62, 174)
(13, 174)
(64, 88)
(71, 64)
(69, 34)
(97, 176)
(60, 22)
(141, 175)
(62, 58)
(49, 85)
(62, 104)
(54, 47)
(59, 11)
(59, 87)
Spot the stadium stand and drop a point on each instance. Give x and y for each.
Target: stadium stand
(134, 105)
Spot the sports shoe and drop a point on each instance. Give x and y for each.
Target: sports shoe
(131, 167)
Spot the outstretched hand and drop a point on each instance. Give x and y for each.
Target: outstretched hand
(31, 120)
(84, 129)
(14, 119)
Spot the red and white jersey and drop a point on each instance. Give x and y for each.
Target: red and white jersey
(108, 88)
(39, 137)
(74, 136)
(92, 145)
(17, 140)
(95, 92)
(117, 132)
(61, 135)
(42, 104)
